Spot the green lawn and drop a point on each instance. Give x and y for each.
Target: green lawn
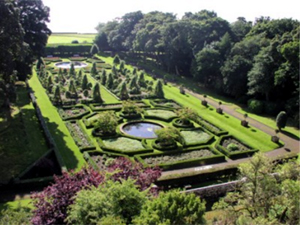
(22, 143)
(57, 38)
(69, 151)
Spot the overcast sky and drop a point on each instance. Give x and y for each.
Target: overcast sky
(84, 15)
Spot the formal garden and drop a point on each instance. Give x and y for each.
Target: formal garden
(112, 109)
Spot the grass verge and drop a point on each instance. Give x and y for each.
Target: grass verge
(69, 151)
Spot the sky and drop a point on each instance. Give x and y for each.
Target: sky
(82, 16)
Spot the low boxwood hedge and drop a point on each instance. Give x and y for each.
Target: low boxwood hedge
(234, 154)
(217, 158)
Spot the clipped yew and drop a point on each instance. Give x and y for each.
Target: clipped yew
(96, 93)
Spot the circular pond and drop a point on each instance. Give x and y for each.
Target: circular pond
(67, 65)
(141, 129)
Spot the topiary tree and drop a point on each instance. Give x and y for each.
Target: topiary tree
(172, 207)
(186, 114)
(134, 71)
(114, 71)
(168, 136)
(84, 83)
(110, 81)
(57, 96)
(122, 66)
(86, 93)
(181, 90)
(158, 89)
(281, 120)
(94, 49)
(96, 93)
(116, 60)
(72, 69)
(40, 63)
(72, 88)
(133, 86)
(141, 80)
(94, 69)
(103, 78)
(123, 91)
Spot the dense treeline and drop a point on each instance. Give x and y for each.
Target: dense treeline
(23, 36)
(254, 62)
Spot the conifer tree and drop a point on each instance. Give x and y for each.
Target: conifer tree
(158, 90)
(84, 84)
(96, 93)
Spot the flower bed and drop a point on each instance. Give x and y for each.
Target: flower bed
(123, 145)
(210, 127)
(166, 103)
(182, 159)
(171, 158)
(99, 160)
(75, 112)
(160, 114)
(234, 148)
(100, 107)
(80, 137)
(195, 137)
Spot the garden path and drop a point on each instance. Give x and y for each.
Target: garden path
(291, 142)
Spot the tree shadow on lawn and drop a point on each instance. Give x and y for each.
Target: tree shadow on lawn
(66, 153)
(293, 136)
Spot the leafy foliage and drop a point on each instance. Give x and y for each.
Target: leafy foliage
(107, 122)
(130, 107)
(51, 204)
(186, 114)
(168, 136)
(172, 207)
(263, 196)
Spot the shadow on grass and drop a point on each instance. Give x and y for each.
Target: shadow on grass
(293, 136)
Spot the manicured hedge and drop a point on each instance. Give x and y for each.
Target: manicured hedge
(186, 163)
(104, 107)
(235, 154)
(176, 123)
(68, 50)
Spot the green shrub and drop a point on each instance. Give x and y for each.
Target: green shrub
(232, 147)
(256, 106)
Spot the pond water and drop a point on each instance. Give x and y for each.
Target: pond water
(141, 129)
(67, 65)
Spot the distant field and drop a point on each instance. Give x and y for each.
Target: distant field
(57, 38)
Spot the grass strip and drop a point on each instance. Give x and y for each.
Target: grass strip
(64, 141)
